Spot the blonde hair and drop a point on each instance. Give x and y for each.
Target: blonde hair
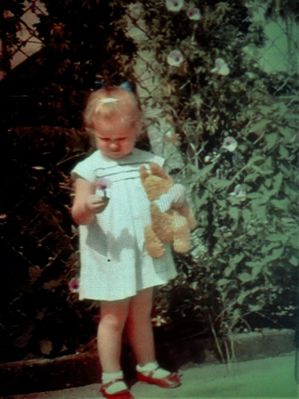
(111, 103)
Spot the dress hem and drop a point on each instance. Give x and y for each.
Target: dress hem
(93, 298)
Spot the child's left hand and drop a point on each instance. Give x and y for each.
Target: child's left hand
(96, 203)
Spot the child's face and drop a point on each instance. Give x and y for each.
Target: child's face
(115, 139)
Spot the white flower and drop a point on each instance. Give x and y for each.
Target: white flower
(193, 13)
(172, 137)
(220, 67)
(229, 144)
(238, 193)
(158, 321)
(175, 58)
(174, 5)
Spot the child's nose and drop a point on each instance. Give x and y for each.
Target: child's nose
(114, 146)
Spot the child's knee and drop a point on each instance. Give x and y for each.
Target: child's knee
(112, 323)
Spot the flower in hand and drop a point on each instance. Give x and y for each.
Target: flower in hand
(102, 184)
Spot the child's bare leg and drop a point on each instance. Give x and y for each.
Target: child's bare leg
(140, 333)
(113, 319)
(139, 326)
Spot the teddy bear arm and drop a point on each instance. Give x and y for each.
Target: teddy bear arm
(189, 215)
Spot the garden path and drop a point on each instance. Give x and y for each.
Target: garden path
(271, 377)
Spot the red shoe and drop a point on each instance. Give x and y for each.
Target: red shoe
(173, 380)
(124, 394)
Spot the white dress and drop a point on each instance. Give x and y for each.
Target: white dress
(114, 262)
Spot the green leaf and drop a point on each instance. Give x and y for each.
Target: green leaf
(242, 296)
(203, 174)
(223, 282)
(234, 212)
(259, 125)
(278, 237)
(271, 140)
(291, 192)
(283, 152)
(268, 182)
(247, 215)
(256, 158)
(281, 204)
(219, 183)
(287, 133)
(202, 200)
(267, 166)
(277, 181)
(237, 258)
(235, 315)
(260, 200)
(256, 266)
(229, 269)
(245, 277)
(255, 307)
(260, 213)
(251, 177)
(276, 254)
(285, 170)
(266, 249)
(294, 261)
(294, 242)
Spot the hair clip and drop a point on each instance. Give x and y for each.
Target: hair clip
(108, 100)
(126, 86)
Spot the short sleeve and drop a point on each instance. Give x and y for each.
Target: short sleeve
(83, 170)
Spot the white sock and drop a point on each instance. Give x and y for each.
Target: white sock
(116, 386)
(147, 368)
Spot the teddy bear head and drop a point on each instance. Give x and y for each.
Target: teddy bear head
(155, 181)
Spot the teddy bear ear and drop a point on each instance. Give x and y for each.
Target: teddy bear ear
(143, 172)
(158, 171)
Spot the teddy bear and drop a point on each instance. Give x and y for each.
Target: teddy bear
(171, 218)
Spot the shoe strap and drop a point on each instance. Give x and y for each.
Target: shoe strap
(152, 373)
(109, 383)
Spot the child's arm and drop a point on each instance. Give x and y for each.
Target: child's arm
(86, 203)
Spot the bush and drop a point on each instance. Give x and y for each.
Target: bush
(240, 150)
(39, 315)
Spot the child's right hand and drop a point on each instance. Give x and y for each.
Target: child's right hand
(96, 203)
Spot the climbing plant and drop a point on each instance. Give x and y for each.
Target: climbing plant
(240, 150)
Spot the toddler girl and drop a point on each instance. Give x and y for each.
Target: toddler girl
(112, 209)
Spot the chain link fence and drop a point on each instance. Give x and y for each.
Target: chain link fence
(280, 54)
(21, 24)
(29, 39)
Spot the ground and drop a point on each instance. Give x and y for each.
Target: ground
(271, 377)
